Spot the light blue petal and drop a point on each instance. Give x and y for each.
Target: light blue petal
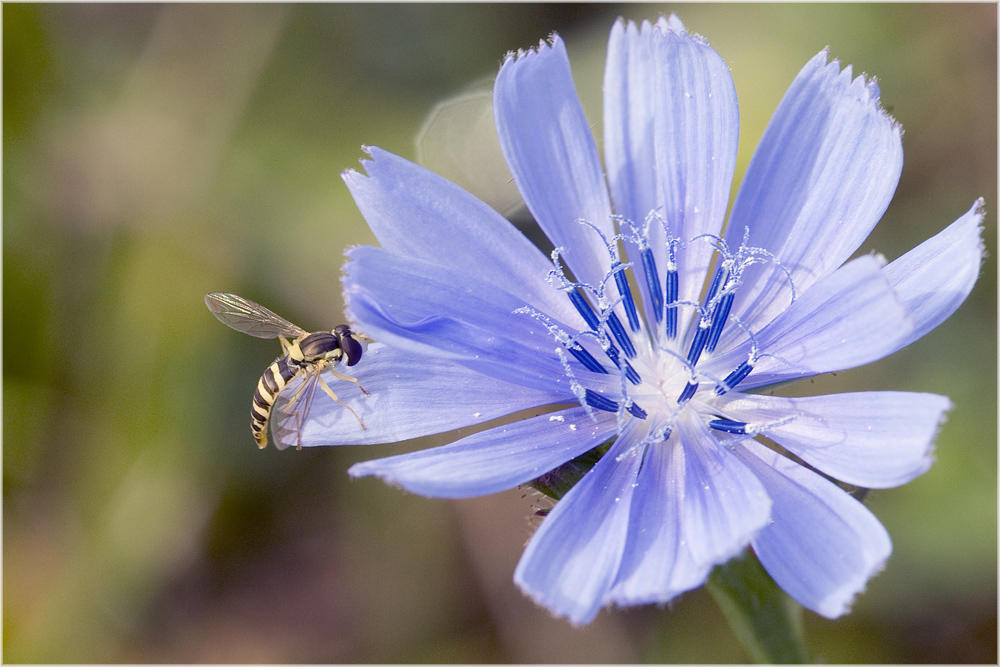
(629, 111)
(823, 545)
(933, 279)
(875, 439)
(572, 559)
(629, 149)
(671, 126)
(695, 132)
(817, 184)
(849, 318)
(724, 504)
(548, 146)
(430, 310)
(658, 564)
(675, 23)
(410, 396)
(495, 460)
(416, 213)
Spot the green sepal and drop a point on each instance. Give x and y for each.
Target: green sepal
(767, 621)
(557, 482)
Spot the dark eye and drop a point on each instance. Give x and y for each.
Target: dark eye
(352, 349)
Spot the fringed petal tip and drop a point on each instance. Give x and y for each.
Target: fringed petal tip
(347, 258)
(670, 23)
(363, 469)
(371, 154)
(351, 174)
(372, 469)
(866, 85)
(874, 91)
(978, 211)
(839, 601)
(875, 96)
(970, 226)
(521, 54)
(934, 279)
(674, 22)
(823, 545)
(576, 617)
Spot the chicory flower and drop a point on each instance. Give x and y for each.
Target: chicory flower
(651, 329)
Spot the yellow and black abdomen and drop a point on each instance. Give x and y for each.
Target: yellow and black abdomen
(274, 379)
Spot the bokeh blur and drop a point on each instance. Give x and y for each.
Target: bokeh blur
(153, 153)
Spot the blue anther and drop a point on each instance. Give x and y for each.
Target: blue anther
(584, 308)
(697, 344)
(600, 401)
(587, 312)
(729, 426)
(716, 284)
(620, 335)
(617, 330)
(688, 392)
(587, 359)
(653, 282)
(616, 359)
(670, 297)
(631, 374)
(613, 355)
(719, 320)
(734, 378)
(623, 288)
(636, 411)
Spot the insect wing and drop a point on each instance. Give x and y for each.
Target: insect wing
(291, 409)
(248, 317)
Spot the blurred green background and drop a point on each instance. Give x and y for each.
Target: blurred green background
(153, 153)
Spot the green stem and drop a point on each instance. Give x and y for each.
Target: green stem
(766, 620)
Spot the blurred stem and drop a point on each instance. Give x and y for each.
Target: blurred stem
(766, 620)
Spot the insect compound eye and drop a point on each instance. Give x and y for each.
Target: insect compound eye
(352, 348)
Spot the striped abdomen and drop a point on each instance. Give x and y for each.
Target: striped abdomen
(274, 379)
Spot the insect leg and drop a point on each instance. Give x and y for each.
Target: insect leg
(340, 375)
(298, 392)
(329, 392)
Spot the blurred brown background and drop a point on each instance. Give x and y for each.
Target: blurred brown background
(153, 153)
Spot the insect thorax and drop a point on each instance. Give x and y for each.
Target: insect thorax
(319, 346)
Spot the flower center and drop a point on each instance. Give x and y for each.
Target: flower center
(638, 325)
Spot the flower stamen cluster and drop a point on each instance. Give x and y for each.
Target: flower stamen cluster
(670, 377)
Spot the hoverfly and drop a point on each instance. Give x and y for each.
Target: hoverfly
(306, 356)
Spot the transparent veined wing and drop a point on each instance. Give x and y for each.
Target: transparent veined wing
(248, 317)
(459, 141)
(293, 403)
(290, 411)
